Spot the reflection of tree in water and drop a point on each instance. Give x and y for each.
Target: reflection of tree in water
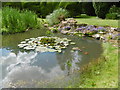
(64, 57)
(77, 58)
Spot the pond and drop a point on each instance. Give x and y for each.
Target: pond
(22, 68)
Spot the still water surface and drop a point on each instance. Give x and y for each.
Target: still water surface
(25, 69)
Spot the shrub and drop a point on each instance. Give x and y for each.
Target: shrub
(114, 13)
(112, 16)
(101, 8)
(14, 20)
(53, 18)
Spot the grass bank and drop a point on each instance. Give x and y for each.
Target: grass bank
(97, 21)
(100, 74)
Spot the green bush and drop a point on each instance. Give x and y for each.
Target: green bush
(114, 13)
(53, 18)
(114, 9)
(112, 16)
(14, 20)
(101, 8)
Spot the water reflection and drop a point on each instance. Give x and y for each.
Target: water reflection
(25, 69)
(28, 67)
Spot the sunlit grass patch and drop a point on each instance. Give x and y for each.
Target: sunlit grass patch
(98, 21)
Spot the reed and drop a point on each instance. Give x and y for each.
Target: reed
(14, 20)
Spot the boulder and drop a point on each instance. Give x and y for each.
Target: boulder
(64, 32)
(97, 36)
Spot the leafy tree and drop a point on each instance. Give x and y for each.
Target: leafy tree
(101, 8)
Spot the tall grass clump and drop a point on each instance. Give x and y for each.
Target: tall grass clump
(54, 17)
(14, 20)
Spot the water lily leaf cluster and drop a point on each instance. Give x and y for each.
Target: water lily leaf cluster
(45, 44)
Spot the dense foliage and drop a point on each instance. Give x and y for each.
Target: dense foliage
(14, 20)
(114, 13)
(42, 9)
(101, 8)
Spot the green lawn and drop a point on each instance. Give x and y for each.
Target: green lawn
(97, 21)
(103, 74)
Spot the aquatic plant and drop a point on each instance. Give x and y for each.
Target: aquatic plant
(50, 41)
(69, 63)
(54, 17)
(14, 20)
(45, 44)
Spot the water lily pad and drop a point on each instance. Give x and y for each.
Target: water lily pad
(23, 42)
(45, 44)
(73, 43)
(29, 48)
(22, 45)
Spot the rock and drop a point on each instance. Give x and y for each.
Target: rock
(79, 25)
(64, 32)
(67, 28)
(71, 20)
(97, 36)
(118, 29)
(63, 23)
(101, 32)
(45, 25)
(103, 38)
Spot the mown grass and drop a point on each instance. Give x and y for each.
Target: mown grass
(91, 20)
(14, 20)
(100, 74)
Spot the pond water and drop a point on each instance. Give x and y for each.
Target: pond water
(25, 69)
